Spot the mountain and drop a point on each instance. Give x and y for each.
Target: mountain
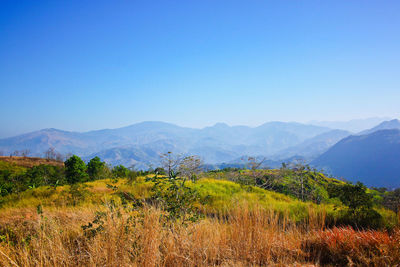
(372, 158)
(142, 142)
(314, 146)
(39, 141)
(386, 125)
(354, 126)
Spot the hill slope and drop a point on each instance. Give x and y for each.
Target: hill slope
(29, 162)
(372, 159)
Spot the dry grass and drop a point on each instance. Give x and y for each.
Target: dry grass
(242, 237)
(346, 246)
(29, 162)
(142, 238)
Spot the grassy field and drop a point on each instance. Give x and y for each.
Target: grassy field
(240, 225)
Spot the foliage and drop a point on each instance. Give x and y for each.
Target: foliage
(45, 175)
(175, 197)
(77, 193)
(75, 170)
(391, 200)
(15, 179)
(96, 169)
(11, 178)
(120, 171)
(359, 204)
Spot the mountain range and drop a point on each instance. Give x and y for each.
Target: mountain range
(142, 143)
(373, 158)
(370, 155)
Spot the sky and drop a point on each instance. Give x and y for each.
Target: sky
(86, 65)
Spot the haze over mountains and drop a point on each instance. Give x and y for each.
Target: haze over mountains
(142, 143)
(373, 158)
(371, 155)
(355, 126)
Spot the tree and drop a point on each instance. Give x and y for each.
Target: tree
(25, 152)
(190, 167)
(170, 163)
(300, 170)
(359, 204)
(175, 197)
(50, 153)
(120, 171)
(95, 168)
(159, 171)
(391, 200)
(59, 156)
(75, 170)
(257, 174)
(45, 175)
(255, 164)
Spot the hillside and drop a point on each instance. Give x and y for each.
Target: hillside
(29, 162)
(372, 158)
(228, 215)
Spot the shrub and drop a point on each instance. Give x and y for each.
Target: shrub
(359, 212)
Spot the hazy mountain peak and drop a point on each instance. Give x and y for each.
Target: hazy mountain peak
(220, 125)
(371, 158)
(355, 125)
(386, 125)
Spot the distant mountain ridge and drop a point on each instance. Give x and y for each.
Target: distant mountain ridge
(355, 126)
(141, 143)
(314, 146)
(386, 125)
(372, 158)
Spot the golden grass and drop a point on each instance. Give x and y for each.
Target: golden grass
(244, 236)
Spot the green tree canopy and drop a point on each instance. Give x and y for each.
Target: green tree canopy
(120, 171)
(75, 170)
(95, 168)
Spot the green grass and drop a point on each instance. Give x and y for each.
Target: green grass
(219, 196)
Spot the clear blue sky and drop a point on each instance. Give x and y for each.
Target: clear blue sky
(83, 65)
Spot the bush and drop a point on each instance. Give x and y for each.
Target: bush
(359, 212)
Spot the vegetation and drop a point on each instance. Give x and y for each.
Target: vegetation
(177, 215)
(75, 170)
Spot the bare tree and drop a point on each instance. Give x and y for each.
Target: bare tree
(257, 172)
(299, 167)
(1, 153)
(59, 156)
(170, 162)
(25, 152)
(67, 156)
(15, 153)
(50, 153)
(190, 167)
(255, 164)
